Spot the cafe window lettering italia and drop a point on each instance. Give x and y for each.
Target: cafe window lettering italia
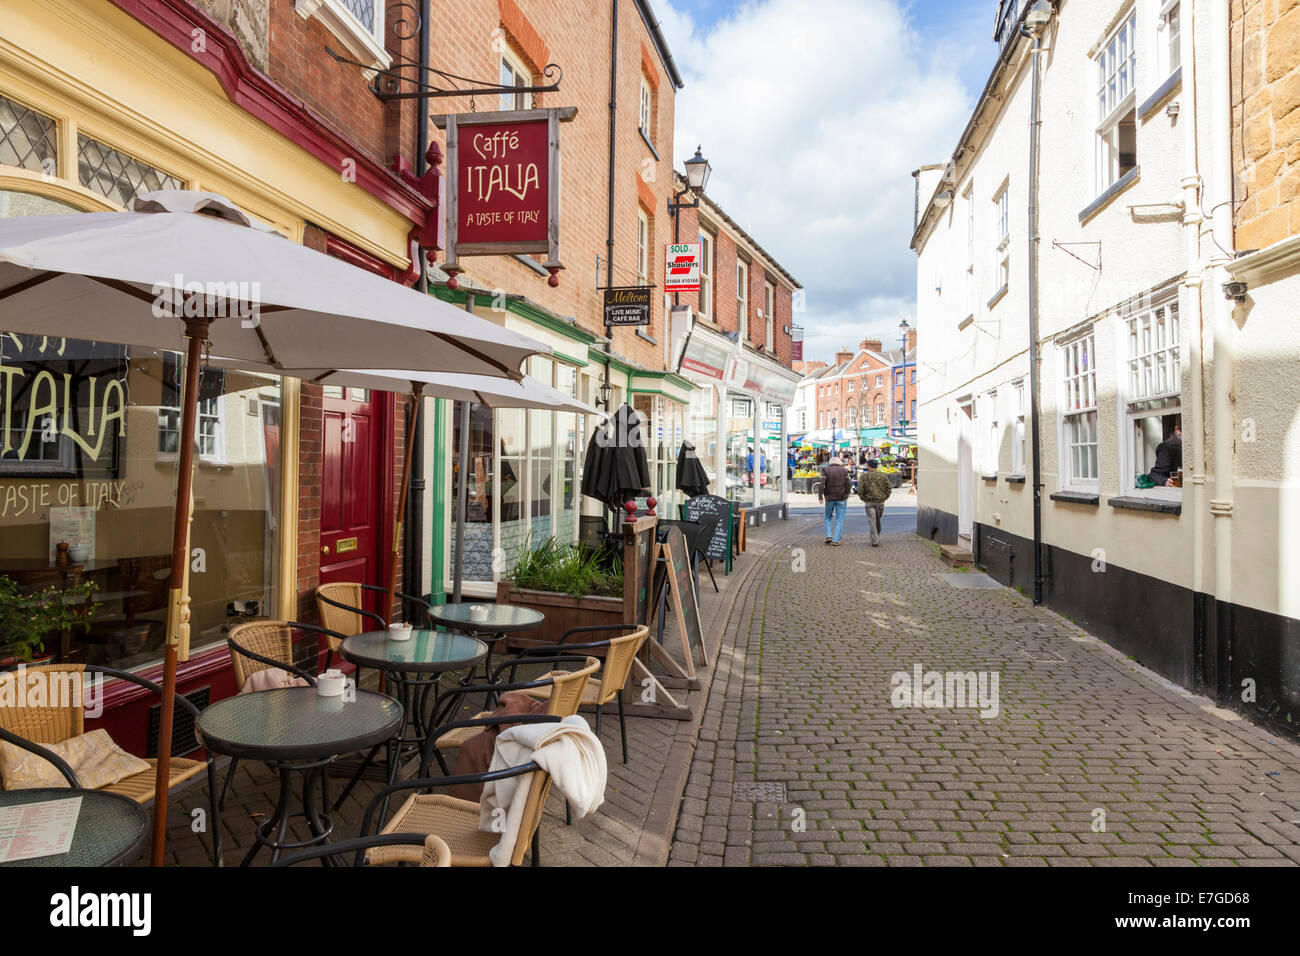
(88, 440)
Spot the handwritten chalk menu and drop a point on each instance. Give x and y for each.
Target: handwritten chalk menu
(682, 589)
(32, 830)
(639, 552)
(702, 506)
(75, 526)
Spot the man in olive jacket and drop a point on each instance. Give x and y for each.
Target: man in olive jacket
(874, 489)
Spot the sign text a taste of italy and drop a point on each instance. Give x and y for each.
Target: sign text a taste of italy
(503, 185)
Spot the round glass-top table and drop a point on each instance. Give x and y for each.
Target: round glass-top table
(110, 830)
(414, 667)
(499, 621)
(295, 730)
(425, 652)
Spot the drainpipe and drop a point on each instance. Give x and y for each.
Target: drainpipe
(1194, 305)
(413, 570)
(613, 131)
(1035, 125)
(1224, 358)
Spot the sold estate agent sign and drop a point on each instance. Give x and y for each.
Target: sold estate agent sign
(626, 307)
(682, 267)
(503, 184)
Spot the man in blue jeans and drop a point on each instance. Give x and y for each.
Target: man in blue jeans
(834, 493)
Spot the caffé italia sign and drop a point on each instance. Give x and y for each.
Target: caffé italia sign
(503, 185)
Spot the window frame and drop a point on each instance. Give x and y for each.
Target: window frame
(1158, 404)
(769, 309)
(1018, 427)
(519, 71)
(1168, 45)
(642, 246)
(1085, 383)
(707, 263)
(646, 116)
(1114, 109)
(992, 437)
(742, 297)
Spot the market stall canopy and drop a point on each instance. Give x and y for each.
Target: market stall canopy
(691, 476)
(127, 277)
(826, 436)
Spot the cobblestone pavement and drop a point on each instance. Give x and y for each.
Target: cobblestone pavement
(801, 706)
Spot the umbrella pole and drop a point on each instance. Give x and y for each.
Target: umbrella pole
(178, 605)
(412, 422)
(462, 496)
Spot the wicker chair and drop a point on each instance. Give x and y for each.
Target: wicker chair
(54, 724)
(258, 645)
(340, 606)
(564, 691)
(620, 654)
(433, 850)
(457, 821)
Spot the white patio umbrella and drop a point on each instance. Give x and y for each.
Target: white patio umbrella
(492, 392)
(188, 269)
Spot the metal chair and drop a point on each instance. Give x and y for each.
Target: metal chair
(339, 604)
(434, 851)
(258, 645)
(30, 726)
(457, 821)
(564, 695)
(620, 655)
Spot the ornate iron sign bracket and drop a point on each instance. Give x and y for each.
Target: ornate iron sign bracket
(407, 80)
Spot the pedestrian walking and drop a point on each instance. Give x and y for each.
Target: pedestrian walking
(874, 490)
(833, 492)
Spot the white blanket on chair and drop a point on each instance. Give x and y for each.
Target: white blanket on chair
(568, 751)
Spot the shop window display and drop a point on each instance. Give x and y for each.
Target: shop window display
(87, 485)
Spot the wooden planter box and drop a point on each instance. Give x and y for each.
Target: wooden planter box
(563, 612)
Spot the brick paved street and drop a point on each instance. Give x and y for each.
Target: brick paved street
(801, 702)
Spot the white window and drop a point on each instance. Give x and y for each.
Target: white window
(850, 385)
(1002, 238)
(969, 196)
(880, 413)
(852, 415)
(359, 24)
(1168, 39)
(642, 247)
(209, 437)
(1116, 105)
(1153, 401)
(992, 439)
(880, 381)
(706, 274)
(647, 104)
(769, 313)
(513, 73)
(742, 297)
(1079, 414)
(1018, 428)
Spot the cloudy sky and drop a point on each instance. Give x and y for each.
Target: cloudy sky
(814, 114)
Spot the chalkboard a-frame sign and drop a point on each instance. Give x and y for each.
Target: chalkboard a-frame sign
(681, 587)
(719, 547)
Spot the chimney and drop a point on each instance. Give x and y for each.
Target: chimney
(911, 338)
(843, 355)
(871, 345)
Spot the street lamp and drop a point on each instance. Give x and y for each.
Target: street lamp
(698, 172)
(605, 390)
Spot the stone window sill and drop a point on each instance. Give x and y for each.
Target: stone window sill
(1159, 96)
(351, 32)
(1077, 497)
(1015, 479)
(644, 136)
(1102, 201)
(990, 479)
(1155, 505)
(643, 335)
(997, 297)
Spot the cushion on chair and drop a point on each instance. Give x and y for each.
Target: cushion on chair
(93, 757)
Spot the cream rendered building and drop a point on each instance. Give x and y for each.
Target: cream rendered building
(1136, 340)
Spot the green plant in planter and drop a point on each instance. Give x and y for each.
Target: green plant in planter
(566, 569)
(26, 619)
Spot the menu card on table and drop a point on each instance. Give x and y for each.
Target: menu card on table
(38, 829)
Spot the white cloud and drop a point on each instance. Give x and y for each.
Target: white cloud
(814, 115)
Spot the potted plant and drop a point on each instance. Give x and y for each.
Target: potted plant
(570, 585)
(27, 619)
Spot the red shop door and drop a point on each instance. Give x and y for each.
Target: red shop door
(352, 542)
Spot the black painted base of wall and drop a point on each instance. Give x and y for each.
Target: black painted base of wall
(935, 525)
(1185, 636)
(761, 515)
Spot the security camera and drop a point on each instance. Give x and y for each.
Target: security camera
(1235, 291)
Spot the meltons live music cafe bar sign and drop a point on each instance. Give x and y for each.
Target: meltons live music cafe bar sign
(503, 185)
